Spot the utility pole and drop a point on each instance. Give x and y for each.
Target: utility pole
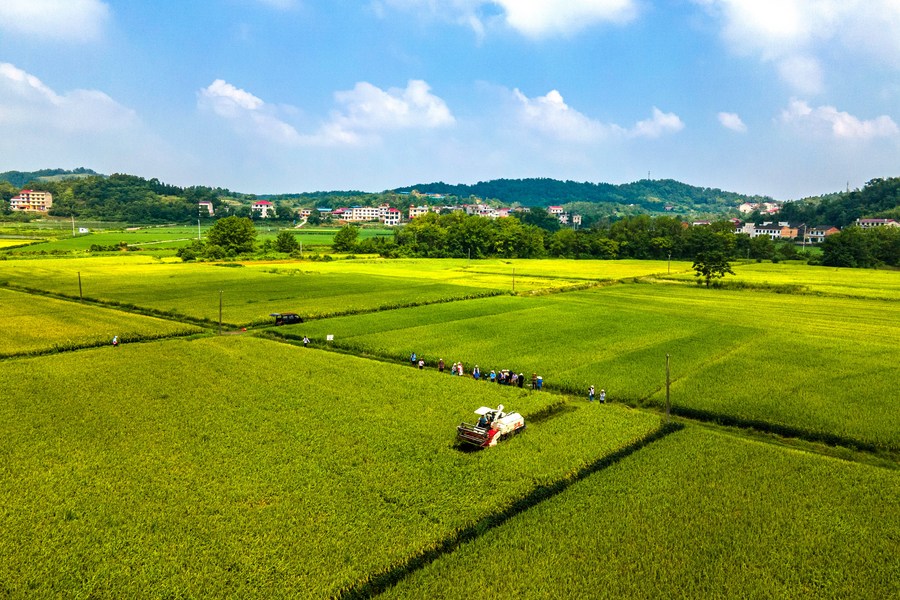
(80, 295)
(220, 312)
(669, 268)
(198, 221)
(73, 224)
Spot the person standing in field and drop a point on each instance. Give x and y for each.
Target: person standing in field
(540, 382)
(591, 394)
(305, 341)
(115, 341)
(421, 363)
(412, 359)
(521, 380)
(534, 381)
(602, 396)
(441, 366)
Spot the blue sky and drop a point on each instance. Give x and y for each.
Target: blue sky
(787, 98)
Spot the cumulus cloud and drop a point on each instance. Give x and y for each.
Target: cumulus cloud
(551, 116)
(246, 112)
(532, 18)
(793, 34)
(26, 101)
(732, 121)
(67, 20)
(840, 124)
(658, 124)
(365, 112)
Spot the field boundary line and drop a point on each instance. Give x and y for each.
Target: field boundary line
(379, 583)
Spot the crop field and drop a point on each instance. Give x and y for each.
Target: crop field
(820, 366)
(694, 515)
(36, 324)
(600, 270)
(855, 283)
(249, 294)
(234, 466)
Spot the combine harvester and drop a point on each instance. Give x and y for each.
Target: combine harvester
(493, 425)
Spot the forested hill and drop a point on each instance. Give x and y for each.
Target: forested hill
(22, 178)
(879, 198)
(650, 194)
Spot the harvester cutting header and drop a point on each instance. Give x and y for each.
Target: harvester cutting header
(493, 425)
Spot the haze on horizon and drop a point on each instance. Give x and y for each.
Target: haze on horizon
(788, 99)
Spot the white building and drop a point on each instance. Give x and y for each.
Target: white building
(31, 200)
(264, 208)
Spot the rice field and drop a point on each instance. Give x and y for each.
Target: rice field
(818, 366)
(234, 466)
(36, 324)
(694, 515)
(854, 283)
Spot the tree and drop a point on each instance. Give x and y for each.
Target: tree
(712, 264)
(315, 217)
(285, 241)
(234, 234)
(345, 239)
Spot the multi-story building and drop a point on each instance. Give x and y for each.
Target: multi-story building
(31, 200)
(264, 208)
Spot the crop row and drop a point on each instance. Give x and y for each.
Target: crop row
(695, 515)
(820, 367)
(234, 466)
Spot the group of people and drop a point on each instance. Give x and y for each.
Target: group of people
(501, 377)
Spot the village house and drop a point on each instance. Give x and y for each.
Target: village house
(391, 217)
(867, 223)
(817, 235)
(31, 200)
(263, 208)
(207, 205)
(417, 211)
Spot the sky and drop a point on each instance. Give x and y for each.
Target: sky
(786, 98)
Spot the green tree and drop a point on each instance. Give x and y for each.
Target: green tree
(345, 239)
(286, 241)
(315, 217)
(234, 234)
(711, 264)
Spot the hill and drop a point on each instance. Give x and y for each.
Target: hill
(879, 198)
(651, 195)
(22, 178)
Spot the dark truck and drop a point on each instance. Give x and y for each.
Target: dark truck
(286, 318)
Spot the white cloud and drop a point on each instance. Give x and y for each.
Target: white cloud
(732, 121)
(246, 112)
(26, 101)
(793, 35)
(841, 124)
(69, 20)
(538, 18)
(551, 116)
(659, 124)
(532, 18)
(366, 112)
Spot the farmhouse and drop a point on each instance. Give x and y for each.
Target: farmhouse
(263, 208)
(867, 223)
(206, 205)
(31, 200)
(817, 235)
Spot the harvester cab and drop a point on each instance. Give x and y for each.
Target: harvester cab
(493, 426)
